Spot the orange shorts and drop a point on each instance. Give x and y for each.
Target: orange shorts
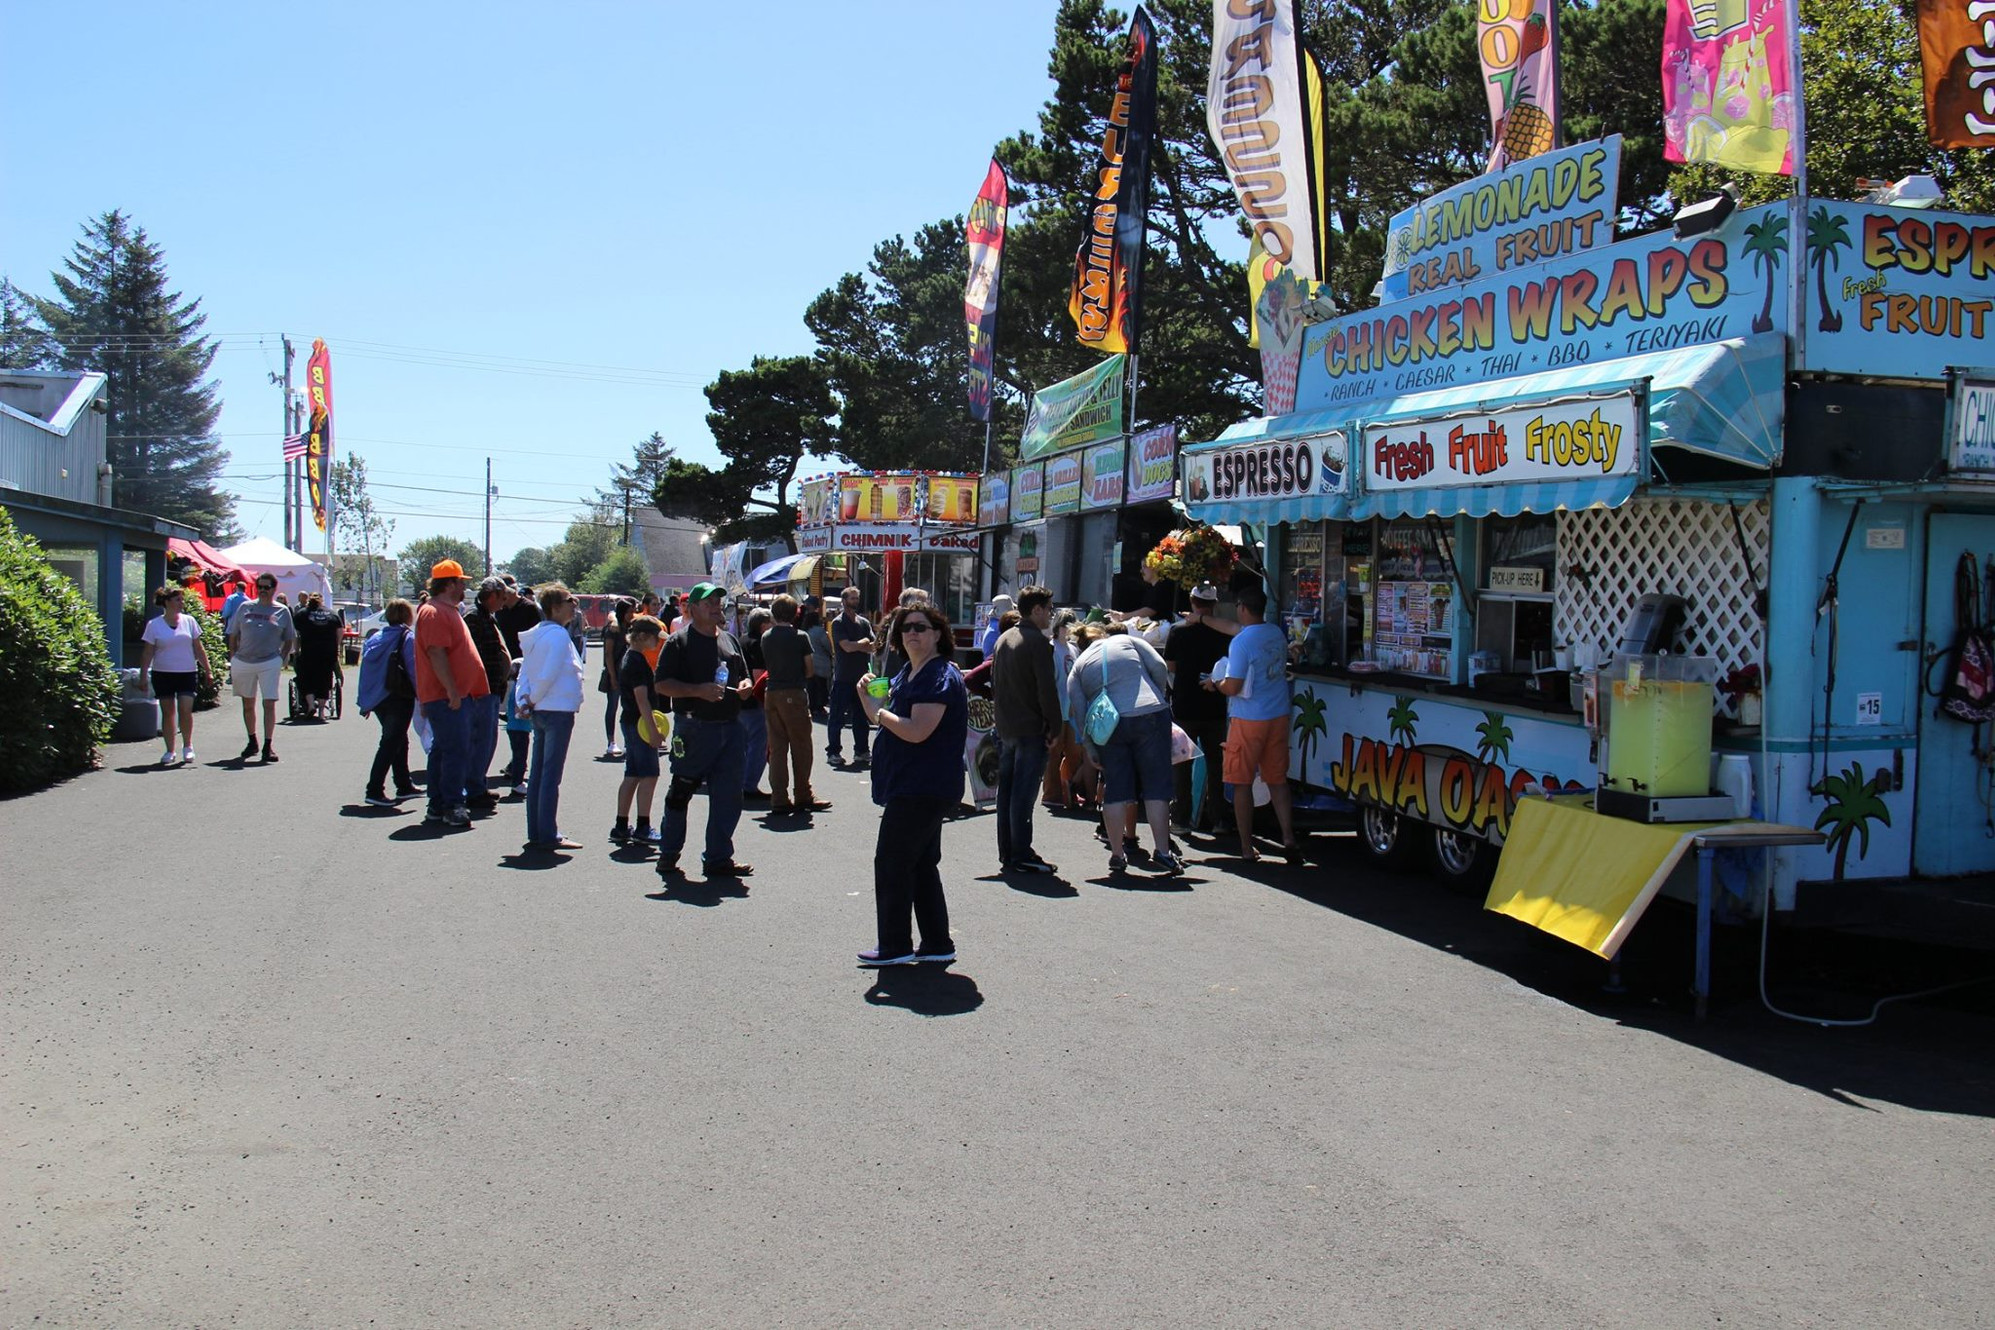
(1257, 748)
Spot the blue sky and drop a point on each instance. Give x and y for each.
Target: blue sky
(632, 197)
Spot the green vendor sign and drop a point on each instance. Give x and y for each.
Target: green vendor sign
(1078, 411)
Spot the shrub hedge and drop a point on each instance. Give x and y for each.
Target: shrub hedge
(55, 673)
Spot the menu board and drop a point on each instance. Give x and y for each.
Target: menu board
(1413, 627)
(1063, 484)
(1302, 574)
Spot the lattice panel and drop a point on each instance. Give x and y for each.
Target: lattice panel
(1681, 547)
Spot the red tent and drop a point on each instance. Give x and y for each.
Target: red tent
(219, 569)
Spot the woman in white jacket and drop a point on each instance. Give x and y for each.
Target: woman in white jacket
(550, 693)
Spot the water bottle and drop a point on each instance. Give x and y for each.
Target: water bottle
(720, 676)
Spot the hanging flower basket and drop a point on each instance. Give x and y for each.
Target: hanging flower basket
(1190, 556)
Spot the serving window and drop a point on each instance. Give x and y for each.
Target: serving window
(1515, 585)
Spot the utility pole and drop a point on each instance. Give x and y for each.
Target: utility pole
(292, 539)
(489, 492)
(626, 514)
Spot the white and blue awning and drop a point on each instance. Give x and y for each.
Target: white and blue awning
(1721, 400)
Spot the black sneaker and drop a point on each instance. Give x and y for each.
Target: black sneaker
(248, 751)
(834, 759)
(1032, 863)
(378, 801)
(936, 957)
(269, 753)
(670, 870)
(875, 959)
(731, 868)
(620, 833)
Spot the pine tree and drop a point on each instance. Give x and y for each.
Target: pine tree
(24, 343)
(113, 313)
(633, 482)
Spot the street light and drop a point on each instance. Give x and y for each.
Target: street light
(1702, 218)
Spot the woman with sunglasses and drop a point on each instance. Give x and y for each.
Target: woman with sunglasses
(923, 722)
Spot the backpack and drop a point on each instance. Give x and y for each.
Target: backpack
(397, 680)
(1102, 718)
(1968, 694)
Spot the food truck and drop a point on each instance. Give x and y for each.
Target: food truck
(1765, 447)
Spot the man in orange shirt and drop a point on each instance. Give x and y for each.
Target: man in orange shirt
(448, 670)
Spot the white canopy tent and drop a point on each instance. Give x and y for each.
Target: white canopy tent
(296, 575)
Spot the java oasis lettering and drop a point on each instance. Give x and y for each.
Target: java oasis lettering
(1273, 470)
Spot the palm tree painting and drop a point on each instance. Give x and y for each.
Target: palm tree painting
(1492, 741)
(1853, 804)
(1827, 233)
(1766, 241)
(1310, 723)
(1401, 720)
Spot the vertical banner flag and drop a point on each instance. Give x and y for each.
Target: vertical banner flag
(1957, 49)
(1518, 43)
(318, 427)
(1263, 107)
(1108, 271)
(1726, 98)
(1277, 327)
(985, 232)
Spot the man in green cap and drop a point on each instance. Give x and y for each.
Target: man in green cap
(702, 672)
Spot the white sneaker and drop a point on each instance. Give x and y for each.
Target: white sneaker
(166, 759)
(520, 789)
(187, 756)
(617, 753)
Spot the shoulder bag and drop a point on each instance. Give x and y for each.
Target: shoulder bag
(1102, 718)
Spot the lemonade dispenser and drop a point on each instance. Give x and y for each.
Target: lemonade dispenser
(1656, 751)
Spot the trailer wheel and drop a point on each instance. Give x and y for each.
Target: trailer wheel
(1386, 838)
(1462, 860)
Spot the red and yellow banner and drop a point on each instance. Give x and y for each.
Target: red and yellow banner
(318, 429)
(1108, 271)
(985, 233)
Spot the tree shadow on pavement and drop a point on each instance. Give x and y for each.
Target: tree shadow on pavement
(925, 990)
(1928, 1055)
(702, 892)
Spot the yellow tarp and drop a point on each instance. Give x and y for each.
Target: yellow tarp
(1585, 877)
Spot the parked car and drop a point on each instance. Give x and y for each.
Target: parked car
(353, 616)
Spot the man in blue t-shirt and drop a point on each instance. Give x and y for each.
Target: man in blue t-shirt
(1257, 707)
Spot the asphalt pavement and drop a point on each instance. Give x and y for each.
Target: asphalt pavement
(276, 1059)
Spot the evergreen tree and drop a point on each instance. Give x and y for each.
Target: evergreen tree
(633, 483)
(113, 313)
(24, 343)
(765, 420)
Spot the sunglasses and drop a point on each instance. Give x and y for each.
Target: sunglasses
(917, 627)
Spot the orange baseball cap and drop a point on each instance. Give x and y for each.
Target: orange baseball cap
(448, 568)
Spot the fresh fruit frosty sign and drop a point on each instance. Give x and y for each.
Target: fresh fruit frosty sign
(1553, 205)
(1574, 439)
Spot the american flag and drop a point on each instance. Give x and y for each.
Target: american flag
(294, 447)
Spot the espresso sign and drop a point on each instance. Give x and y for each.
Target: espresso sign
(1286, 469)
(1570, 439)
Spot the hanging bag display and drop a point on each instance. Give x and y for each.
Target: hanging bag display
(1968, 694)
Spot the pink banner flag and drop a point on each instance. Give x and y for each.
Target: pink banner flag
(1518, 43)
(1727, 97)
(985, 234)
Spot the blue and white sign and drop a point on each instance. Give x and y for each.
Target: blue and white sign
(1897, 292)
(1971, 431)
(1545, 207)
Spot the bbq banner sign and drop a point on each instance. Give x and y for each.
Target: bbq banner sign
(1074, 412)
(1897, 292)
(1288, 469)
(1573, 439)
(1653, 293)
(318, 433)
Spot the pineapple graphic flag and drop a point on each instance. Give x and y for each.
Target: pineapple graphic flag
(1518, 43)
(1726, 94)
(1264, 110)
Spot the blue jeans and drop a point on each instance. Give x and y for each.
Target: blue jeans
(704, 752)
(1021, 763)
(845, 710)
(483, 738)
(449, 753)
(1136, 760)
(551, 732)
(754, 746)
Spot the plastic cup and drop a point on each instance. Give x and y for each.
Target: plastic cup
(880, 687)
